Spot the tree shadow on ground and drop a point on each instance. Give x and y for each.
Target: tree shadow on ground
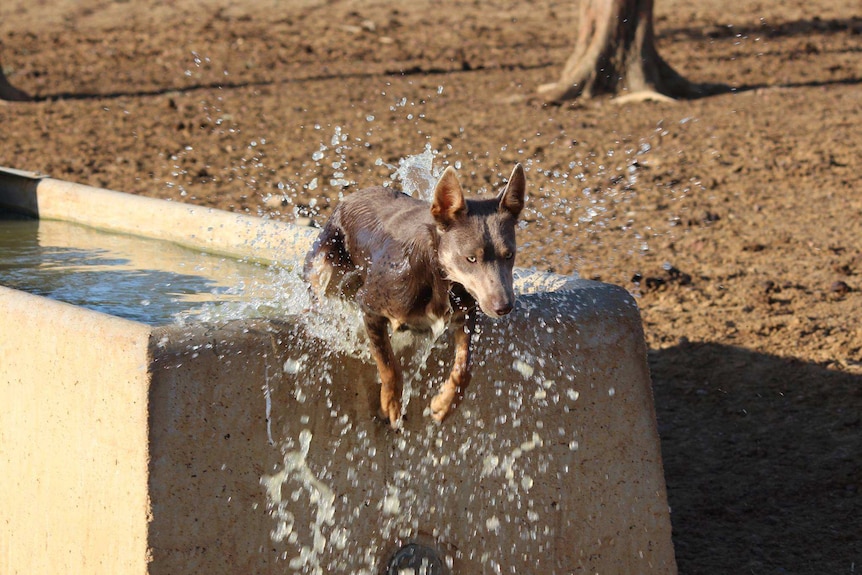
(802, 27)
(763, 460)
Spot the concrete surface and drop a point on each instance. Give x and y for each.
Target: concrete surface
(250, 447)
(73, 439)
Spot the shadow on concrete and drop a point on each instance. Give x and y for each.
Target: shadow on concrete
(763, 460)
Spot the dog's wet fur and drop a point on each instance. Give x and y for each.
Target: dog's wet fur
(414, 265)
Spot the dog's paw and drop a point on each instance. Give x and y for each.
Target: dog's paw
(391, 412)
(441, 405)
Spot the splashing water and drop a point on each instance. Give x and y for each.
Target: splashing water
(398, 481)
(416, 174)
(401, 483)
(319, 495)
(336, 321)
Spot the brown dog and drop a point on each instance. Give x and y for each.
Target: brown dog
(411, 265)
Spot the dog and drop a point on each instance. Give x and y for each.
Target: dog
(413, 265)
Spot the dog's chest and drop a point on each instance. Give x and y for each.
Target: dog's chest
(433, 316)
(411, 293)
(427, 323)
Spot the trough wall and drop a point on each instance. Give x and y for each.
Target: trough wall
(178, 449)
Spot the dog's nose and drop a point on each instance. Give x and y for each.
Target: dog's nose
(503, 308)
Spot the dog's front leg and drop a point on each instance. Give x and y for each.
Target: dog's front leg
(460, 376)
(387, 366)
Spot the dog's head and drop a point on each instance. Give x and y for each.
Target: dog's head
(477, 239)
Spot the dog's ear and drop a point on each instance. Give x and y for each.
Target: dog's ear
(449, 204)
(512, 198)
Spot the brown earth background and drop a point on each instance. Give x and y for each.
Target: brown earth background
(736, 220)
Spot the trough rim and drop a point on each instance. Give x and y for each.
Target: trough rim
(244, 237)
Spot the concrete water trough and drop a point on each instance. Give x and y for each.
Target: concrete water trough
(247, 445)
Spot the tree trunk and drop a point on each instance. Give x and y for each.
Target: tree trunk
(10, 92)
(615, 54)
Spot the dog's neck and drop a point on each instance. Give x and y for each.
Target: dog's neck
(441, 287)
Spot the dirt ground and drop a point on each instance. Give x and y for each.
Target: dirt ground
(736, 220)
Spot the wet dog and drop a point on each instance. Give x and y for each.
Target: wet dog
(414, 265)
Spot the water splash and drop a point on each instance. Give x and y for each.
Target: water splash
(320, 497)
(417, 175)
(402, 482)
(404, 479)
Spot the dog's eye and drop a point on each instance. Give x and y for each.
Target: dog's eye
(509, 255)
(471, 259)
